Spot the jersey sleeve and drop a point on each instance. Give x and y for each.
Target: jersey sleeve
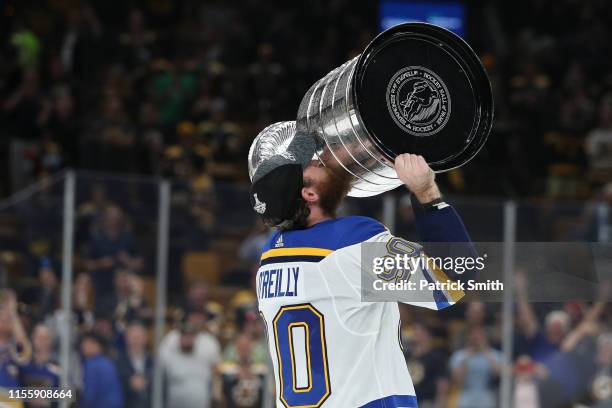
(424, 284)
(355, 266)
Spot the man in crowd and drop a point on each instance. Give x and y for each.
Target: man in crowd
(42, 371)
(561, 352)
(427, 365)
(188, 357)
(101, 383)
(474, 368)
(600, 392)
(241, 383)
(135, 367)
(15, 347)
(112, 246)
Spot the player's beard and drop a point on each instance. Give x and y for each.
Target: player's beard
(332, 190)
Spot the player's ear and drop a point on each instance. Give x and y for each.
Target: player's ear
(310, 195)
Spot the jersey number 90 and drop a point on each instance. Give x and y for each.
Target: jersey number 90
(299, 335)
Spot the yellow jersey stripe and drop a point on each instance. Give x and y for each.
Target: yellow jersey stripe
(455, 295)
(295, 252)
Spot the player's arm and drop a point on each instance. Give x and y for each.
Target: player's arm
(436, 221)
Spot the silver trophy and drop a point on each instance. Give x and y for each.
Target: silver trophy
(328, 112)
(417, 88)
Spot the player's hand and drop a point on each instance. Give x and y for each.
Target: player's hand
(416, 174)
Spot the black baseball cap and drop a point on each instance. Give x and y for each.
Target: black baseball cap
(276, 196)
(276, 190)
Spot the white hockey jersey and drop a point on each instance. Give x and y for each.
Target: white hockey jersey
(328, 348)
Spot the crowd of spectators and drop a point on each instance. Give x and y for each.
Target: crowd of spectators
(210, 355)
(215, 355)
(561, 358)
(179, 89)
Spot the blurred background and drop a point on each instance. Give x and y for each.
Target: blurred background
(127, 245)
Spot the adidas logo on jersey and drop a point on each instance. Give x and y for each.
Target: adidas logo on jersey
(259, 206)
(279, 242)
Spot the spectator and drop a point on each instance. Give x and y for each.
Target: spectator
(241, 383)
(46, 297)
(60, 125)
(527, 374)
(13, 338)
(28, 48)
(112, 246)
(475, 315)
(249, 324)
(135, 367)
(600, 390)
(15, 347)
(42, 371)
(109, 143)
(82, 314)
(81, 36)
(539, 344)
(137, 40)
(196, 297)
(226, 143)
(427, 365)
(188, 357)
(599, 141)
(94, 207)
(130, 303)
(20, 111)
(101, 382)
(172, 88)
(562, 353)
(81, 318)
(264, 73)
(198, 318)
(474, 368)
(202, 212)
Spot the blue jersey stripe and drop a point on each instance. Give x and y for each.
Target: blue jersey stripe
(441, 300)
(393, 401)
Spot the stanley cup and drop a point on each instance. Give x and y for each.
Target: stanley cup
(417, 88)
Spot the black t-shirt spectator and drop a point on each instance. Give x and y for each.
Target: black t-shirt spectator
(425, 371)
(243, 391)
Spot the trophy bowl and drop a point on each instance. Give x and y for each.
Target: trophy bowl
(417, 88)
